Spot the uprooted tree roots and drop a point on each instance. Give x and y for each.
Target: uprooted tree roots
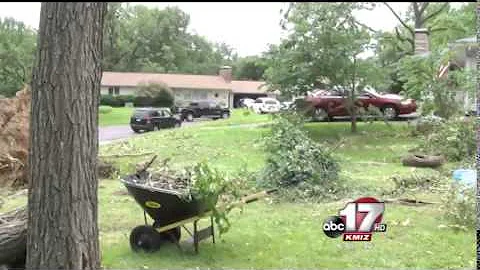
(14, 120)
(14, 133)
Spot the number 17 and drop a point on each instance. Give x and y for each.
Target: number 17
(350, 211)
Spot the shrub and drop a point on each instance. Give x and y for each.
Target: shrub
(455, 139)
(116, 101)
(297, 164)
(105, 109)
(140, 101)
(427, 124)
(155, 94)
(459, 207)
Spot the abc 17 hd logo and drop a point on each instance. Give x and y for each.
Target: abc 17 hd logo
(357, 221)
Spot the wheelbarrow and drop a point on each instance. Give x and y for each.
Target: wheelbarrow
(170, 212)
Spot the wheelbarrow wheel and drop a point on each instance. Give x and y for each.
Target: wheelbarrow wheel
(145, 238)
(172, 235)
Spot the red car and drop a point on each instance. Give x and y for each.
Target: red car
(329, 104)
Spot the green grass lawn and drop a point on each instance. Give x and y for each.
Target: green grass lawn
(241, 117)
(121, 116)
(117, 117)
(289, 235)
(284, 235)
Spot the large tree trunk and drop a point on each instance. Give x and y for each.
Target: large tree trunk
(62, 200)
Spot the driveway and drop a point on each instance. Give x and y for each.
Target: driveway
(114, 133)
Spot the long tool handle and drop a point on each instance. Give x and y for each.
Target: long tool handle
(256, 196)
(250, 198)
(146, 166)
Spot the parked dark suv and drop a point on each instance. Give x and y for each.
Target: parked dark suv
(150, 119)
(208, 109)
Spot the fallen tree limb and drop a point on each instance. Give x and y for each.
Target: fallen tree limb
(126, 155)
(13, 237)
(423, 161)
(411, 202)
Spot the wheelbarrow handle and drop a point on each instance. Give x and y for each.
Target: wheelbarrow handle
(249, 198)
(257, 196)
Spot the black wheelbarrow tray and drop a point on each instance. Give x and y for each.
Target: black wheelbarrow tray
(170, 212)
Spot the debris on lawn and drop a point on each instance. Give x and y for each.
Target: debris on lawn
(430, 181)
(14, 122)
(410, 202)
(127, 155)
(105, 169)
(120, 192)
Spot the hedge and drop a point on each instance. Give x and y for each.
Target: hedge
(116, 101)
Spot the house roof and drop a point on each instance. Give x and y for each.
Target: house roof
(249, 87)
(132, 79)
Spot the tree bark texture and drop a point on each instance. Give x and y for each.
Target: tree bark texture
(62, 200)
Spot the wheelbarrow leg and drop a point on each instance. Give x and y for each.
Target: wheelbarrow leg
(213, 231)
(174, 239)
(195, 236)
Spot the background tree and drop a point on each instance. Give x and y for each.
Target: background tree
(445, 23)
(17, 46)
(454, 24)
(62, 199)
(322, 48)
(138, 38)
(249, 68)
(419, 15)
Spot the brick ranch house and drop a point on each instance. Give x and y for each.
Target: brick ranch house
(188, 88)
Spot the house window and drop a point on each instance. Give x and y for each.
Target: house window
(110, 90)
(200, 95)
(116, 90)
(187, 95)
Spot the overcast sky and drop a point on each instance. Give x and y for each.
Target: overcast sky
(247, 27)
